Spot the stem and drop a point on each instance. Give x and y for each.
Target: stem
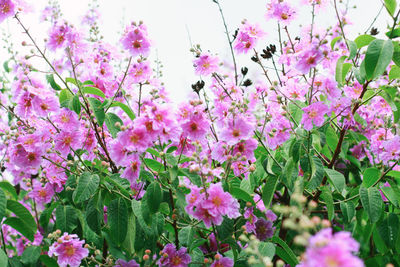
(140, 98)
(229, 41)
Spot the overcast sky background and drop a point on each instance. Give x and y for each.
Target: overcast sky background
(170, 22)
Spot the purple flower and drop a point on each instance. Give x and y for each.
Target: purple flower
(222, 261)
(6, 9)
(122, 263)
(69, 250)
(327, 249)
(172, 257)
(264, 229)
(314, 113)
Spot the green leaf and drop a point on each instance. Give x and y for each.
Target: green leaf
(396, 53)
(391, 6)
(30, 255)
(288, 254)
(266, 249)
(336, 179)
(186, 236)
(388, 229)
(93, 91)
(379, 54)
(129, 242)
(66, 218)
(6, 186)
(87, 186)
(363, 40)
(269, 190)
(389, 94)
(164, 208)
(23, 213)
(19, 225)
(392, 34)
(111, 119)
(394, 72)
(125, 108)
(357, 73)
(334, 41)
(153, 196)
(64, 97)
(240, 194)
(3, 258)
(153, 164)
(46, 214)
(3, 204)
(352, 48)
(47, 261)
(340, 70)
(76, 104)
(317, 173)
(371, 176)
(6, 67)
(73, 81)
(94, 216)
(98, 110)
(348, 210)
(372, 202)
(118, 220)
(52, 82)
(327, 197)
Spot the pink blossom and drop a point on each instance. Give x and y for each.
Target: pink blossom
(314, 113)
(6, 9)
(205, 64)
(171, 257)
(140, 72)
(281, 11)
(135, 40)
(308, 59)
(237, 129)
(196, 127)
(247, 37)
(222, 262)
(65, 140)
(69, 250)
(42, 194)
(132, 169)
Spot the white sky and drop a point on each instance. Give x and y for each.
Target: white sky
(169, 21)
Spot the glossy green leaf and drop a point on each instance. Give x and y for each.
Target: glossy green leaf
(266, 249)
(288, 254)
(87, 186)
(19, 225)
(98, 110)
(23, 213)
(93, 91)
(371, 176)
(328, 199)
(118, 220)
(363, 40)
(394, 72)
(334, 41)
(336, 179)
(111, 119)
(52, 82)
(371, 200)
(153, 164)
(352, 48)
(66, 218)
(378, 56)
(3, 258)
(47, 261)
(269, 189)
(125, 108)
(348, 210)
(30, 255)
(340, 70)
(6, 186)
(153, 196)
(388, 229)
(76, 104)
(317, 173)
(3, 204)
(391, 6)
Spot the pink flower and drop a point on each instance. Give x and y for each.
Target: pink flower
(222, 261)
(64, 141)
(135, 40)
(132, 169)
(220, 202)
(6, 9)
(58, 36)
(140, 72)
(327, 249)
(278, 131)
(69, 250)
(196, 127)
(247, 37)
(135, 139)
(308, 59)
(237, 129)
(314, 113)
(40, 194)
(171, 257)
(281, 11)
(205, 64)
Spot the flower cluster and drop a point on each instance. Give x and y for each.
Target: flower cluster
(68, 250)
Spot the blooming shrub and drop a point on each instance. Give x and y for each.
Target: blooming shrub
(290, 161)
